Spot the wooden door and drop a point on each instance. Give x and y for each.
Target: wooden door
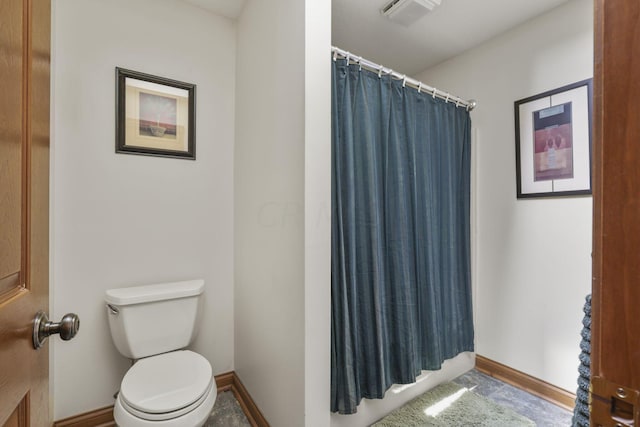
(615, 357)
(25, 27)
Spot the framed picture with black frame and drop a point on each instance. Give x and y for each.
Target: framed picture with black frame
(553, 142)
(155, 116)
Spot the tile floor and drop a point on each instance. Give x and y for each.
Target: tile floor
(543, 413)
(227, 411)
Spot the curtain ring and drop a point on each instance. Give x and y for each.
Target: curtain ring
(404, 80)
(348, 57)
(335, 55)
(457, 103)
(419, 86)
(359, 63)
(433, 94)
(447, 98)
(380, 72)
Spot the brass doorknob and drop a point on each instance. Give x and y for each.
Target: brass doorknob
(67, 328)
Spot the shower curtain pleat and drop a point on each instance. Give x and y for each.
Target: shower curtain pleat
(401, 287)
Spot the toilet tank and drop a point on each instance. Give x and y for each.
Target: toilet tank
(153, 319)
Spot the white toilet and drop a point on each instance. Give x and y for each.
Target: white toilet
(167, 386)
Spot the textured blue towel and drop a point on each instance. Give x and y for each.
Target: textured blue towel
(581, 410)
(585, 346)
(585, 359)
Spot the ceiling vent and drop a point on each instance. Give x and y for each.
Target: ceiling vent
(406, 12)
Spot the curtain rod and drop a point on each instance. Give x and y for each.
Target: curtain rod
(406, 81)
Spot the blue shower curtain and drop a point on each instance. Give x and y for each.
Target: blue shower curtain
(400, 273)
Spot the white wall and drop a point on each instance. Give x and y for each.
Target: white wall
(533, 256)
(122, 220)
(269, 208)
(282, 196)
(317, 182)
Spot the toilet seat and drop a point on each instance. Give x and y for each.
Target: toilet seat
(196, 418)
(166, 386)
(166, 415)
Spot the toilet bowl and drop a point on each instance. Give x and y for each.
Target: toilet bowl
(167, 386)
(171, 389)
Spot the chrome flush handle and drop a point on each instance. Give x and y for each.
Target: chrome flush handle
(67, 328)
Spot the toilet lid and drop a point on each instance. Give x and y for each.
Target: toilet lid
(167, 382)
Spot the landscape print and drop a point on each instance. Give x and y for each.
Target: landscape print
(158, 116)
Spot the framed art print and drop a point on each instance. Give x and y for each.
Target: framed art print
(553, 142)
(154, 115)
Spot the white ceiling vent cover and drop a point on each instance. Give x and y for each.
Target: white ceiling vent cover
(406, 12)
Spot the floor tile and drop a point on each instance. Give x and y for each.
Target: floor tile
(543, 413)
(227, 412)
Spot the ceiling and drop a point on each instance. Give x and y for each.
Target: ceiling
(450, 29)
(229, 8)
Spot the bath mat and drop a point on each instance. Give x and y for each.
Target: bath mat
(452, 405)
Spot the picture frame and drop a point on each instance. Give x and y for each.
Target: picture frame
(155, 116)
(553, 142)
